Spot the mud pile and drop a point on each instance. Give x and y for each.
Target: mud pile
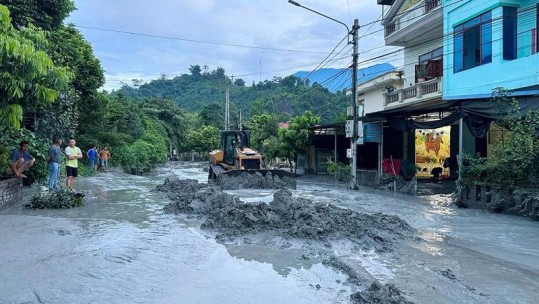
(286, 217)
(294, 218)
(272, 179)
(378, 293)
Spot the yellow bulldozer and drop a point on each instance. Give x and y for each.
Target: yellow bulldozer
(235, 165)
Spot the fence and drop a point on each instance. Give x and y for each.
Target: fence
(189, 156)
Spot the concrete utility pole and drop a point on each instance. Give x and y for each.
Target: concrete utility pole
(354, 42)
(353, 174)
(227, 110)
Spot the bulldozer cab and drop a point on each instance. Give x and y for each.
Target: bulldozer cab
(230, 140)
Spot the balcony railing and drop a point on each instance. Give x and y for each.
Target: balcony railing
(420, 91)
(412, 15)
(390, 29)
(431, 5)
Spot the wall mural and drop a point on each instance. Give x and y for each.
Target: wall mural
(432, 147)
(407, 4)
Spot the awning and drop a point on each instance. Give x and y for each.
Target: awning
(477, 113)
(418, 108)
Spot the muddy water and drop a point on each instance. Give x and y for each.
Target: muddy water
(468, 256)
(121, 248)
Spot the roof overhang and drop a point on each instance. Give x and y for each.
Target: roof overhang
(419, 108)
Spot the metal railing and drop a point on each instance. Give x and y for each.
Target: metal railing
(431, 5)
(390, 29)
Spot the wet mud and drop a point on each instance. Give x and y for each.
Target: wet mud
(256, 180)
(288, 220)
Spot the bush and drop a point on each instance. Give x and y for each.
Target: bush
(340, 170)
(55, 200)
(513, 161)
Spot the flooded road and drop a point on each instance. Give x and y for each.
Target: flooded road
(122, 248)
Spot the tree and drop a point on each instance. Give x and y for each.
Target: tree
(513, 159)
(28, 76)
(172, 118)
(239, 82)
(124, 116)
(45, 14)
(298, 135)
(70, 49)
(213, 115)
(262, 126)
(204, 139)
(195, 70)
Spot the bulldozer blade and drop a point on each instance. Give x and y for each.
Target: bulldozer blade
(256, 179)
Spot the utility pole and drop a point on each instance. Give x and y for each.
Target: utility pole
(354, 42)
(240, 121)
(227, 110)
(353, 174)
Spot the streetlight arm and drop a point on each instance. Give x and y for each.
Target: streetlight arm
(299, 5)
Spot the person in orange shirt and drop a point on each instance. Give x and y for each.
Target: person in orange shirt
(104, 155)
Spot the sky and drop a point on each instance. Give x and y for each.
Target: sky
(252, 40)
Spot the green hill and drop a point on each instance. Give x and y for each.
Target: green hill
(285, 97)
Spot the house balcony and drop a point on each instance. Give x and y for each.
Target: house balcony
(421, 91)
(419, 23)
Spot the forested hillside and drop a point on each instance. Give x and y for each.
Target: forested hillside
(203, 91)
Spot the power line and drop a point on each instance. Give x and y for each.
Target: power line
(198, 41)
(496, 25)
(445, 36)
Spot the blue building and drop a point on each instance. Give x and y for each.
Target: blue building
(456, 53)
(490, 44)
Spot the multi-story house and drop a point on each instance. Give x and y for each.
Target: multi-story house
(456, 52)
(417, 26)
(490, 44)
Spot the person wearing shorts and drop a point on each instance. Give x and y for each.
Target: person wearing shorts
(73, 154)
(104, 155)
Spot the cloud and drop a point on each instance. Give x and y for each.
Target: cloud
(264, 24)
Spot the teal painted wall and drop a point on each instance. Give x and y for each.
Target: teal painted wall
(481, 80)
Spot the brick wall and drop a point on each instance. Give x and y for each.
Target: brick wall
(10, 192)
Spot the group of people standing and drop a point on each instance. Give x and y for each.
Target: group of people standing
(98, 159)
(73, 154)
(21, 160)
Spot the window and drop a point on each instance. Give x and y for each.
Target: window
(473, 43)
(536, 36)
(434, 55)
(430, 65)
(509, 33)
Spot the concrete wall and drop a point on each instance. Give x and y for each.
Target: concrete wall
(10, 192)
(509, 74)
(372, 92)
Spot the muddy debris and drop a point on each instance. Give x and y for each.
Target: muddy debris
(256, 180)
(289, 218)
(286, 217)
(378, 293)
